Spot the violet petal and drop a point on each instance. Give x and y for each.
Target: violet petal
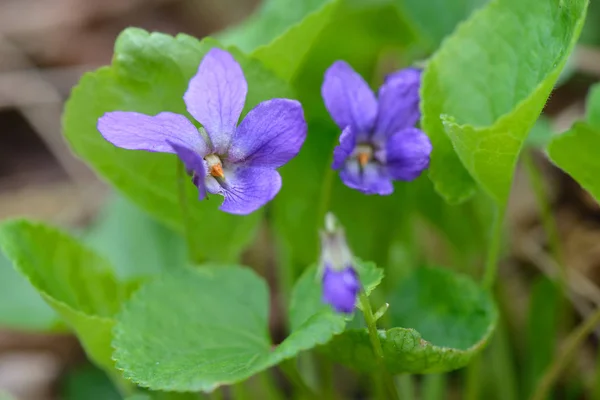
(270, 135)
(371, 179)
(135, 131)
(340, 289)
(398, 103)
(407, 154)
(248, 189)
(216, 96)
(193, 163)
(349, 99)
(345, 148)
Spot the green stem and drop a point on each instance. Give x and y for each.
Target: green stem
(572, 342)
(326, 377)
(376, 343)
(289, 369)
(548, 221)
(491, 264)
(325, 197)
(183, 205)
(473, 379)
(123, 386)
(434, 387)
(405, 384)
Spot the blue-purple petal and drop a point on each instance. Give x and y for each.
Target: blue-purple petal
(340, 289)
(370, 179)
(248, 189)
(136, 131)
(193, 164)
(349, 99)
(407, 154)
(344, 149)
(398, 103)
(270, 135)
(216, 96)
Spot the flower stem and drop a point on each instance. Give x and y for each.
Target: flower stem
(491, 263)
(289, 369)
(545, 210)
(183, 205)
(325, 198)
(572, 342)
(388, 382)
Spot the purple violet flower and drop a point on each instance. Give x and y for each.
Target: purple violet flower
(340, 280)
(379, 142)
(237, 162)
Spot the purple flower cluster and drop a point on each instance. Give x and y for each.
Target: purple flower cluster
(379, 142)
(237, 162)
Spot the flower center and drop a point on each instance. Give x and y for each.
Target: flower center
(363, 153)
(215, 167)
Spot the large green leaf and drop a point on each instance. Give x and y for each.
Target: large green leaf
(149, 74)
(198, 329)
(436, 19)
(485, 87)
(136, 245)
(21, 307)
(441, 321)
(73, 280)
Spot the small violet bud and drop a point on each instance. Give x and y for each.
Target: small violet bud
(340, 280)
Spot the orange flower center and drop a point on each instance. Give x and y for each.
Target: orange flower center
(215, 167)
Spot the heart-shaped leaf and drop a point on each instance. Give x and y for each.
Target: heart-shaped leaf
(486, 86)
(149, 74)
(446, 320)
(198, 329)
(76, 282)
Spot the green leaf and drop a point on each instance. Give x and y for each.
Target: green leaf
(442, 320)
(286, 54)
(592, 114)
(198, 329)
(575, 152)
(136, 245)
(272, 20)
(88, 383)
(149, 74)
(486, 86)
(21, 307)
(72, 279)
(436, 19)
